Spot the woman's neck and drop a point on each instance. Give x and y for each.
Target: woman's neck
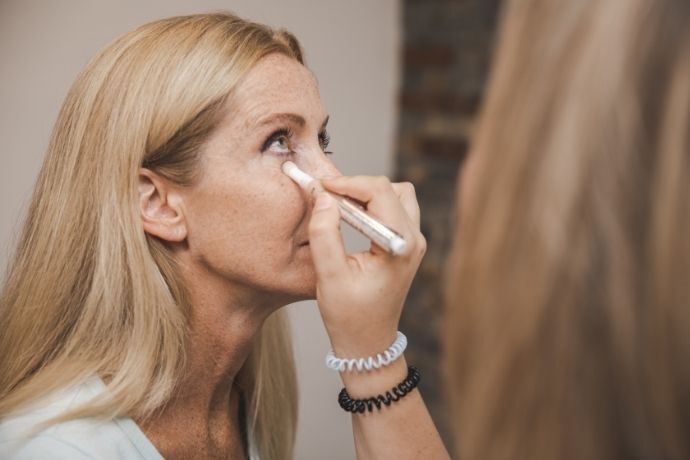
(202, 418)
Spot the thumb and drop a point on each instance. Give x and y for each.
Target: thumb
(325, 240)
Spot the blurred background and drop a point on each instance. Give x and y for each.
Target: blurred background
(402, 80)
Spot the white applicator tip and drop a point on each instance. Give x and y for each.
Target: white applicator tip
(398, 246)
(293, 172)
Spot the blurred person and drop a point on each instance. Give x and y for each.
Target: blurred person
(141, 315)
(568, 298)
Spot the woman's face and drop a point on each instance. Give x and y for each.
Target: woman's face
(247, 221)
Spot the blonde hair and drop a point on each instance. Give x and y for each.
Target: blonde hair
(89, 292)
(567, 289)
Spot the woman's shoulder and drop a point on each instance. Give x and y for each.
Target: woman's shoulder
(42, 446)
(85, 438)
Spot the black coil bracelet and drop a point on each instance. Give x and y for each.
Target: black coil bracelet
(397, 392)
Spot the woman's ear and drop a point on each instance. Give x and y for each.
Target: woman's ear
(160, 207)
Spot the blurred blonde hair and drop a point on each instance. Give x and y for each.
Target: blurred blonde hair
(568, 292)
(89, 292)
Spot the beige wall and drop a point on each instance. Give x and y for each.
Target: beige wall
(352, 46)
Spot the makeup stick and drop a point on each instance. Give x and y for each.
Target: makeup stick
(350, 212)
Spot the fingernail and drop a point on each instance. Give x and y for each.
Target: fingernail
(323, 201)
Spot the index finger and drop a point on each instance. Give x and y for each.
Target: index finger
(376, 193)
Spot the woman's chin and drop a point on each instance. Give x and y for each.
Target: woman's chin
(300, 289)
(307, 292)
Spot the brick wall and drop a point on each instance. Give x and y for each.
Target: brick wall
(446, 50)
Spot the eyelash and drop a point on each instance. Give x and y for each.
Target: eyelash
(324, 141)
(287, 133)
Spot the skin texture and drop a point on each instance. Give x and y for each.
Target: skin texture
(239, 237)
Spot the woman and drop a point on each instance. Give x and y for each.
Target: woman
(568, 290)
(141, 316)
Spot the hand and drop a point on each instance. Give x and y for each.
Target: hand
(360, 296)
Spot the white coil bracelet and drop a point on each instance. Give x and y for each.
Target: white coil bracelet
(373, 362)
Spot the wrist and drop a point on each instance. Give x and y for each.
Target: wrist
(369, 363)
(361, 344)
(366, 384)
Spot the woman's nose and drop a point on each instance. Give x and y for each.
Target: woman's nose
(319, 165)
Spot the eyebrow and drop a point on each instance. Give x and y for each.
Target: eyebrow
(289, 118)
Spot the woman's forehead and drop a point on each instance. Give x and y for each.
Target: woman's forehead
(276, 83)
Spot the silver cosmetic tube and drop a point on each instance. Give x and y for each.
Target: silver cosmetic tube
(351, 212)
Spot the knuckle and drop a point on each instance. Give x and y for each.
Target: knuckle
(382, 182)
(421, 245)
(408, 187)
(318, 228)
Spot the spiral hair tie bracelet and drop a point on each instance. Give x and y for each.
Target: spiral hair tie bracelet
(391, 396)
(372, 362)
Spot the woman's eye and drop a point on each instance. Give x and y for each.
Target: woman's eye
(278, 142)
(280, 145)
